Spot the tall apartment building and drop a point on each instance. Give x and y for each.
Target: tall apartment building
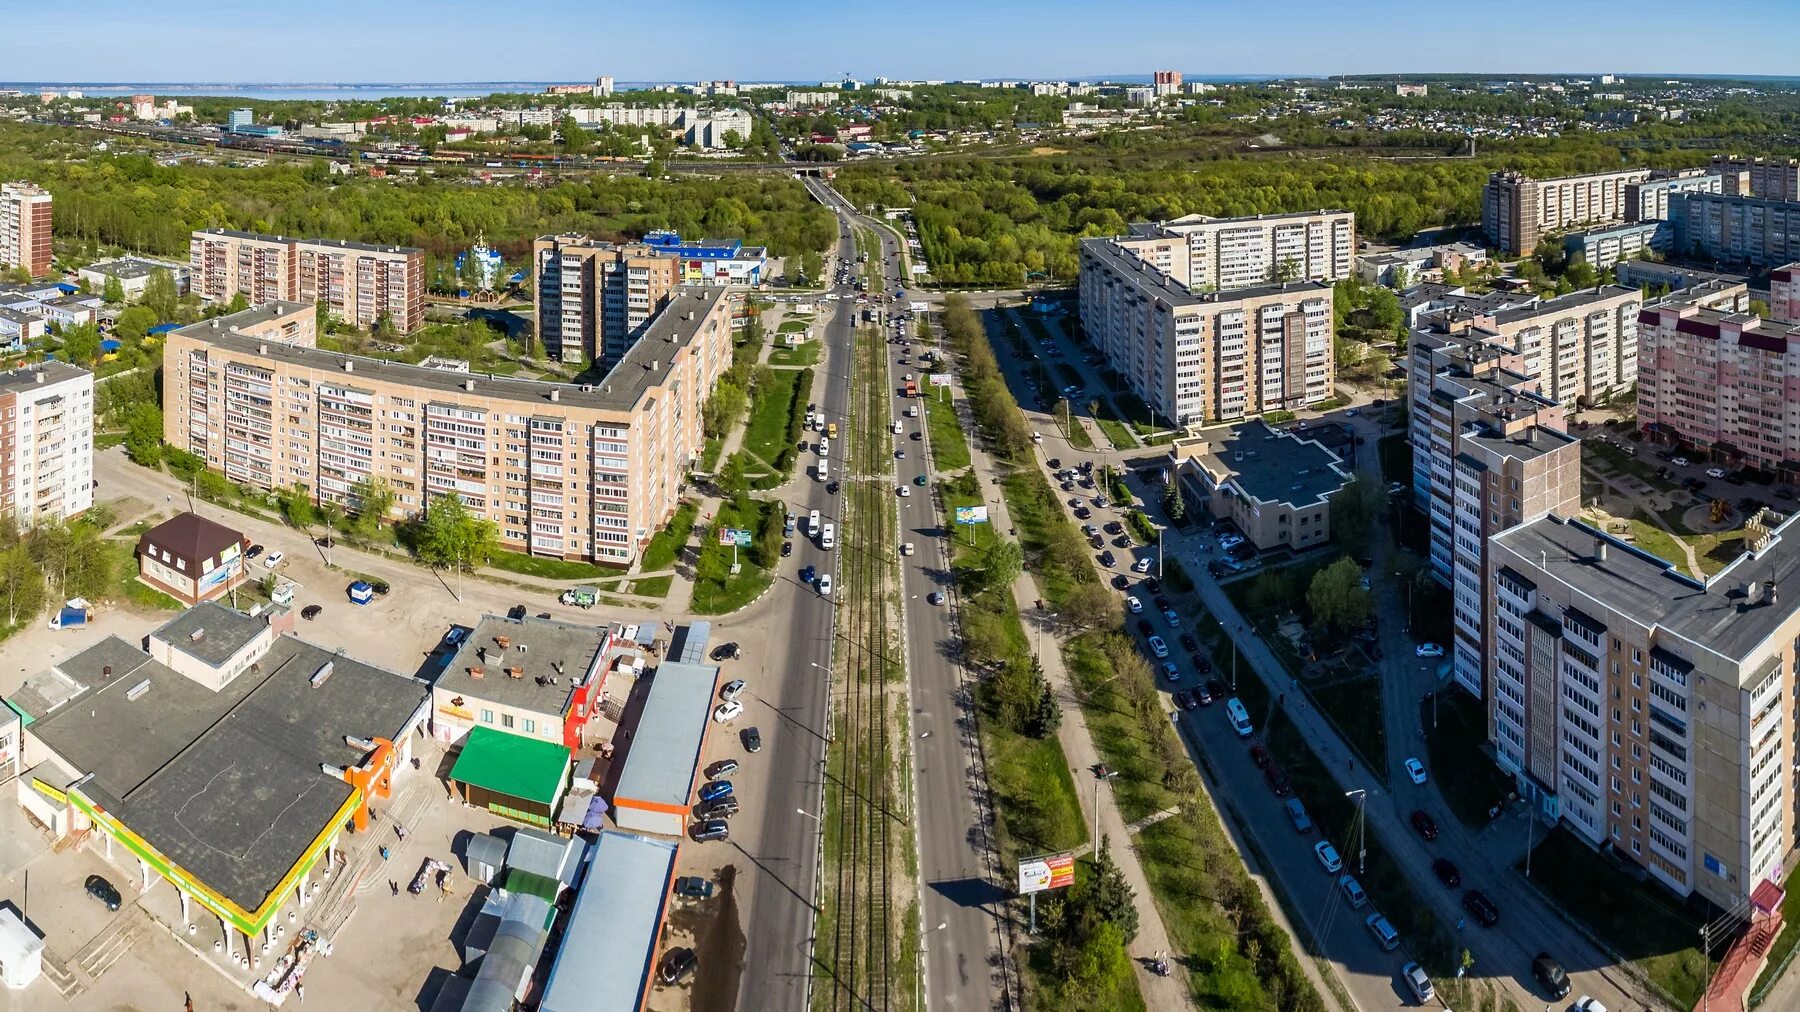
(1768, 178)
(1649, 200)
(596, 298)
(1489, 453)
(1717, 379)
(359, 283)
(1751, 230)
(1516, 210)
(1166, 82)
(566, 471)
(46, 442)
(1784, 293)
(1648, 709)
(25, 227)
(1199, 358)
(1222, 254)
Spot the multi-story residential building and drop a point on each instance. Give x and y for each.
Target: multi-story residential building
(1606, 245)
(359, 283)
(1719, 380)
(596, 298)
(46, 442)
(1516, 210)
(1649, 200)
(1489, 452)
(1222, 254)
(1784, 293)
(1578, 348)
(1732, 229)
(1197, 358)
(25, 227)
(1166, 82)
(1647, 709)
(1768, 178)
(570, 471)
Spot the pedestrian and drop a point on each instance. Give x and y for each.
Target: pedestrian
(384, 852)
(300, 992)
(400, 831)
(394, 887)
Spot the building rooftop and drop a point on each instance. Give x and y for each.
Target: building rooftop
(227, 785)
(189, 536)
(1271, 465)
(1563, 303)
(665, 749)
(1716, 615)
(552, 658)
(1175, 224)
(334, 243)
(1153, 283)
(125, 270)
(256, 316)
(1529, 444)
(26, 377)
(646, 364)
(210, 632)
(609, 942)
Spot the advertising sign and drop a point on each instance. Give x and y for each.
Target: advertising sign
(939, 379)
(734, 536)
(971, 514)
(1052, 871)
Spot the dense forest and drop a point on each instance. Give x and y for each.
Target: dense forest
(129, 200)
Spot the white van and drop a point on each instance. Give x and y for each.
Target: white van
(895, 428)
(1239, 717)
(828, 540)
(824, 447)
(820, 471)
(812, 522)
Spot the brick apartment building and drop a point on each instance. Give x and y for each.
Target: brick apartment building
(596, 298)
(1516, 210)
(568, 471)
(359, 283)
(25, 215)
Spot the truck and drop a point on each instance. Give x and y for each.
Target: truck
(74, 614)
(912, 388)
(580, 597)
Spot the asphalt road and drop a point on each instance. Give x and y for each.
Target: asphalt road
(779, 917)
(958, 892)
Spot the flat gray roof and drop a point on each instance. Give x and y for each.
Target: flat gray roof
(25, 377)
(125, 270)
(210, 632)
(1528, 445)
(1275, 466)
(1713, 615)
(226, 784)
(609, 942)
(1156, 284)
(544, 648)
(339, 243)
(1573, 300)
(647, 363)
(255, 316)
(665, 749)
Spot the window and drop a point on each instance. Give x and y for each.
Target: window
(506, 720)
(530, 727)
(487, 716)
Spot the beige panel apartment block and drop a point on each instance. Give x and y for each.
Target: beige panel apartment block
(359, 284)
(1516, 210)
(569, 471)
(25, 225)
(595, 298)
(1221, 254)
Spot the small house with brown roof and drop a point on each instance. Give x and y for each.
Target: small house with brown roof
(191, 558)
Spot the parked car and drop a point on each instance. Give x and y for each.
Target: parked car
(1481, 908)
(1185, 700)
(1587, 1004)
(1158, 647)
(1328, 857)
(1141, 566)
(676, 966)
(253, 551)
(751, 739)
(102, 890)
(727, 652)
(714, 790)
(694, 887)
(1550, 975)
(1429, 650)
(723, 808)
(311, 611)
(722, 768)
(1418, 982)
(1296, 813)
(1445, 870)
(732, 689)
(1353, 891)
(1135, 606)
(1424, 824)
(728, 711)
(1259, 754)
(1277, 778)
(273, 559)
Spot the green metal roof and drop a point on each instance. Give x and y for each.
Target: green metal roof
(530, 769)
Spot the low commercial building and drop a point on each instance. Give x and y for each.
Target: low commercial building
(655, 793)
(1650, 712)
(191, 558)
(610, 941)
(1606, 245)
(1402, 268)
(712, 261)
(228, 759)
(1273, 484)
(577, 471)
(510, 775)
(132, 274)
(1671, 276)
(1200, 358)
(532, 677)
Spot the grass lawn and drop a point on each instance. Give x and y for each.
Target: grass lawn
(108, 440)
(548, 569)
(716, 591)
(709, 455)
(1035, 509)
(807, 353)
(1639, 922)
(1034, 794)
(1466, 775)
(767, 432)
(792, 327)
(123, 556)
(661, 552)
(1077, 433)
(949, 448)
(1354, 706)
(1116, 432)
(655, 586)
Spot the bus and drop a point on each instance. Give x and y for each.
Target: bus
(1239, 717)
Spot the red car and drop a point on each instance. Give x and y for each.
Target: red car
(1425, 824)
(1259, 755)
(1278, 781)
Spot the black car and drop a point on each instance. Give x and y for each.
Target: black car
(1068, 486)
(831, 488)
(722, 768)
(1550, 975)
(1481, 908)
(1216, 687)
(1114, 527)
(517, 612)
(787, 549)
(676, 966)
(1424, 824)
(727, 652)
(751, 739)
(1107, 559)
(1186, 700)
(1055, 463)
(1083, 513)
(1119, 581)
(1144, 627)
(715, 829)
(1153, 585)
(693, 887)
(311, 612)
(253, 551)
(1188, 642)
(1162, 603)
(1446, 871)
(103, 891)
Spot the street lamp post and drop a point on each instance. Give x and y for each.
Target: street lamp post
(802, 811)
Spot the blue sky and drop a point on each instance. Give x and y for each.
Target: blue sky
(551, 40)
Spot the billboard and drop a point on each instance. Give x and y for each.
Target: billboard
(939, 379)
(734, 536)
(971, 514)
(1051, 871)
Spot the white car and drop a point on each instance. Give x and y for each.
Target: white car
(1158, 647)
(1141, 566)
(1230, 541)
(1429, 650)
(825, 585)
(1586, 1004)
(1328, 857)
(1136, 606)
(728, 711)
(1681, 462)
(731, 690)
(1415, 770)
(902, 491)
(1715, 472)
(273, 559)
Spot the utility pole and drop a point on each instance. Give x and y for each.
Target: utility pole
(1362, 843)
